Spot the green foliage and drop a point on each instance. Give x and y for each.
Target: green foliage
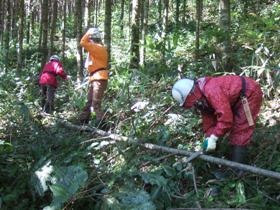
(44, 165)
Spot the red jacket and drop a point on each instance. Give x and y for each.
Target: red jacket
(223, 95)
(50, 71)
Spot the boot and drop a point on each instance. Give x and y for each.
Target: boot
(239, 155)
(84, 116)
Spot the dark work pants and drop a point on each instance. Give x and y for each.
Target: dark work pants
(95, 96)
(48, 93)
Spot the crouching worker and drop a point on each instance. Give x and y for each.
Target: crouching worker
(48, 82)
(228, 104)
(96, 63)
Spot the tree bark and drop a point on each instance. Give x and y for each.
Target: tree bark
(20, 34)
(225, 22)
(199, 7)
(64, 28)
(165, 28)
(78, 26)
(134, 61)
(53, 27)
(177, 14)
(44, 26)
(86, 13)
(122, 18)
(184, 13)
(15, 15)
(7, 31)
(107, 27)
(2, 7)
(144, 28)
(28, 21)
(96, 12)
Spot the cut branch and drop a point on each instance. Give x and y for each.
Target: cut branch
(208, 158)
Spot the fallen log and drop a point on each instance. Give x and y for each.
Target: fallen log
(208, 158)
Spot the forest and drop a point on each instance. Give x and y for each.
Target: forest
(144, 155)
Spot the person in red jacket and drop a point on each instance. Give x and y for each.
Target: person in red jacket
(228, 104)
(97, 64)
(48, 82)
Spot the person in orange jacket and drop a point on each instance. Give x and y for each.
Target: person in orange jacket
(97, 64)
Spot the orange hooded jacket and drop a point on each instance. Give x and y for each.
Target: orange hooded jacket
(99, 57)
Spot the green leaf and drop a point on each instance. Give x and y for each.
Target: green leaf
(154, 179)
(241, 198)
(138, 200)
(169, 171)
(66, 181)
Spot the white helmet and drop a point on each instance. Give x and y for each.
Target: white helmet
(181, 90)
(54, 57)
(95, 33)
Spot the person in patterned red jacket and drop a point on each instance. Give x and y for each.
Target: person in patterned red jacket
(48, 82)
(228, 104)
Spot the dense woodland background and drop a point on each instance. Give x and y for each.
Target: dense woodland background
(44, 164)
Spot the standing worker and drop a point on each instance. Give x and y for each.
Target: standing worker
(228, 104)
(48, 82)
(96, 63)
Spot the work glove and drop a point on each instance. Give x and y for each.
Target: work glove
(209, 143)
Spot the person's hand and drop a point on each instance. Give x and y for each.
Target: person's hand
(209, 143)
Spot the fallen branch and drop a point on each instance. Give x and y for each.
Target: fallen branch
(208, 158)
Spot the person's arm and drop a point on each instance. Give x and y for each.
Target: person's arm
(85, 41)
(60, 71)
(208, 123)
(223, 112)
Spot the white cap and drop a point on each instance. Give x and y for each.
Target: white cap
(181, 90)
(95, 33)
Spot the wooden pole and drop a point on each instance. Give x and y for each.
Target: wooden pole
(208, 158)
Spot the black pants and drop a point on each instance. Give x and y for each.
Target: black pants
(48, 93)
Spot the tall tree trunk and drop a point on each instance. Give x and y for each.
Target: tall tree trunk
(122, 18)
(53, 26)
(107, 26)
(28, 21)
(144, 28)
(199, 8)
(134, 60)
(20, 34)
(15, 7)
(7, 32)
(177, 14)
(184, 13)
(2, 6)
(34, 12)
(96, 12)
(44, 26)
(93, 9)
(64, 28)
(90, 18)
(86, 20)
(160, 10)
(224, 21)
(79, 28)
(165, 27)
